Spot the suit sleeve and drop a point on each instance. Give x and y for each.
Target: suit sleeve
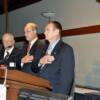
(37, 55)
(1, 54)
(19, 60)
(67, 70)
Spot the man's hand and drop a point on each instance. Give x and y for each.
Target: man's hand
(27, 59)
(47, 59)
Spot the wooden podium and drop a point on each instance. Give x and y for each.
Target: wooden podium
(17, 80)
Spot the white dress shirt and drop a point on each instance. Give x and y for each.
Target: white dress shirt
(32, 43)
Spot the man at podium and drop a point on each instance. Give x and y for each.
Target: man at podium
(9, 54)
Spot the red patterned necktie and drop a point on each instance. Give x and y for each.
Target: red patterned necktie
(29, 47)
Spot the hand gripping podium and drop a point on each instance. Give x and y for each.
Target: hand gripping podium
(17, 80)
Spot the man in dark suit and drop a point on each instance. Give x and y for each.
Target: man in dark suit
(57, 65)
(9, 54)
(33, 51)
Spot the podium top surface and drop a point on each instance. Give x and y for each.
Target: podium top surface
(23, 77)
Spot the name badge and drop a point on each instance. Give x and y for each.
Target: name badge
(12, 64)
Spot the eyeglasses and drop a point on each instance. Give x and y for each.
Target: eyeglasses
(28, 31)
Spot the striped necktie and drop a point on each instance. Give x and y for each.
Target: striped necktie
(7, 55)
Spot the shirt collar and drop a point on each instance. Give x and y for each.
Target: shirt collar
(33, 41)
(53, 44)
(10, 49)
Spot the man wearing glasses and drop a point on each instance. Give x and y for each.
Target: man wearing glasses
(33, 51)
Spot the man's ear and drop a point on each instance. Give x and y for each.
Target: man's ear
(57, 30)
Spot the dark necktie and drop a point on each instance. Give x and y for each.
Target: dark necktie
(28, 48)
(7, 55)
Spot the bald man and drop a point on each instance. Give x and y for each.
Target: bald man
(32, 51)
(9, 55)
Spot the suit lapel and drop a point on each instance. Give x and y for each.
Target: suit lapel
(57, 48)
(34, 47)
(13, 51)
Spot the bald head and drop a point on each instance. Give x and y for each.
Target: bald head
(30, 31)
(33, 26)
(8, 40)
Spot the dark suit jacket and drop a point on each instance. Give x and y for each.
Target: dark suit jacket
(36, 51)
(61, 72)
(14, 57)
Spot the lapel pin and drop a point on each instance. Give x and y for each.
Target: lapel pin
(54, 52)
